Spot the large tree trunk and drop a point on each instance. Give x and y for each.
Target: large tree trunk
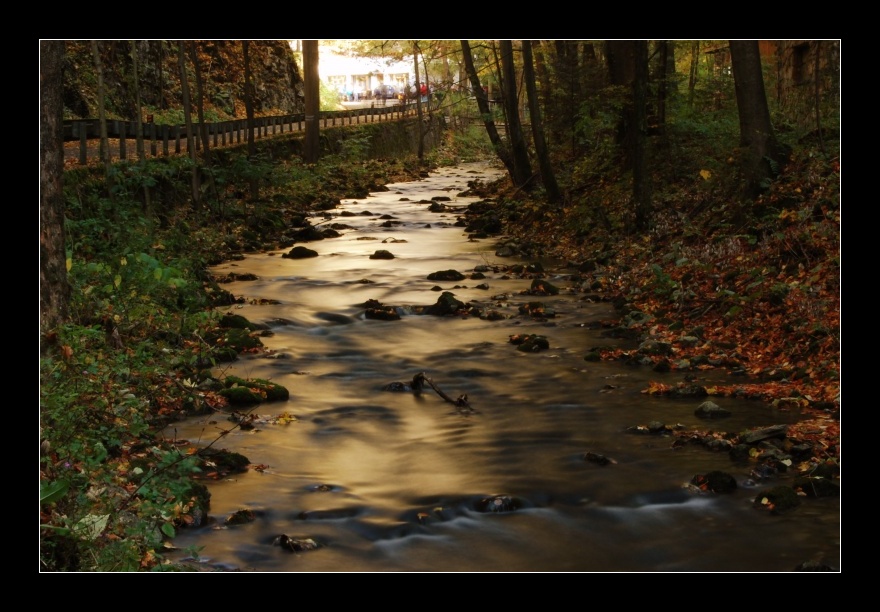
(548, 176)
(200, 107)
(521, 165)
(249, 110)
(139, 129)
(483, 104)
(187, 117)
(762, 153)
(641, 172)
(104, 150)
(620, 56)
(568, 79)
(692, 76)
(313, 101)
(662, 83)
(54, 288)
(421, 145)
(543, 77)
(139, 118)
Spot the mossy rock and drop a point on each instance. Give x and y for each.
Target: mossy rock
(715, 481)
(778, 500)
(237, 322)
(225, 354)
(817, 487)
(241, 396)
(222, 460)
(240, 340)
(240, 517)
(263, 390)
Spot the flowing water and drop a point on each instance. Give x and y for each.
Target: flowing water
(396, 481)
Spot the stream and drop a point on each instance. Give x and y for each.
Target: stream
(385, 481)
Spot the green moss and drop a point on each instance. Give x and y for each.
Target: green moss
(241, 396)
(263, 389)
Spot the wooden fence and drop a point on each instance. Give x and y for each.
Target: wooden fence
(164, 140)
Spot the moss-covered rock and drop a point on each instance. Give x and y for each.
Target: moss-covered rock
(240, 340)
(817, 486)
(241, 396)
(237, 322)
(777, 500)
(715, 481)
(222, 461)
(248, 391)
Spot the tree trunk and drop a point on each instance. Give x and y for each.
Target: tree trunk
(139, 129)
(762, 154)
(200, 107)
(548, 176)
(817, 97)
(54, 288)
(543, 77)
(163, 104)
(692, 78)
(521, 165)
(313, 102)
(568, 81)
(139, 119)
(483, 105)
(421, 149)
(249, 110)
(187, 116)
(104, 151)
(641, 172)
(662, 83)
(620, 56)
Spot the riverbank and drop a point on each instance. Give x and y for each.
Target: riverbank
(760, 299)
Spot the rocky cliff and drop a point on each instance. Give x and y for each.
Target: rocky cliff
(276, 77)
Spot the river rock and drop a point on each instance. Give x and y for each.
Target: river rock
(446, 275)
(300, 252)
(446, 304)
(711, 410)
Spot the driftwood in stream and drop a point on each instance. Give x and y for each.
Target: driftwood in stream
(420, 379)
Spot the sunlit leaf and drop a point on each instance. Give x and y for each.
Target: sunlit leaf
(91, 526)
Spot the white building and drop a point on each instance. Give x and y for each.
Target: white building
(360, 76)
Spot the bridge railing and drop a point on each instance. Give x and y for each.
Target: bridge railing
(164, 140)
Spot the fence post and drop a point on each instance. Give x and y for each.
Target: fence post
(83, 142)
(122, 136)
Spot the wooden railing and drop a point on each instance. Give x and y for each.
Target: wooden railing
(164, 140)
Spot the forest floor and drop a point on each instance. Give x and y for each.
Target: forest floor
(759, 297)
